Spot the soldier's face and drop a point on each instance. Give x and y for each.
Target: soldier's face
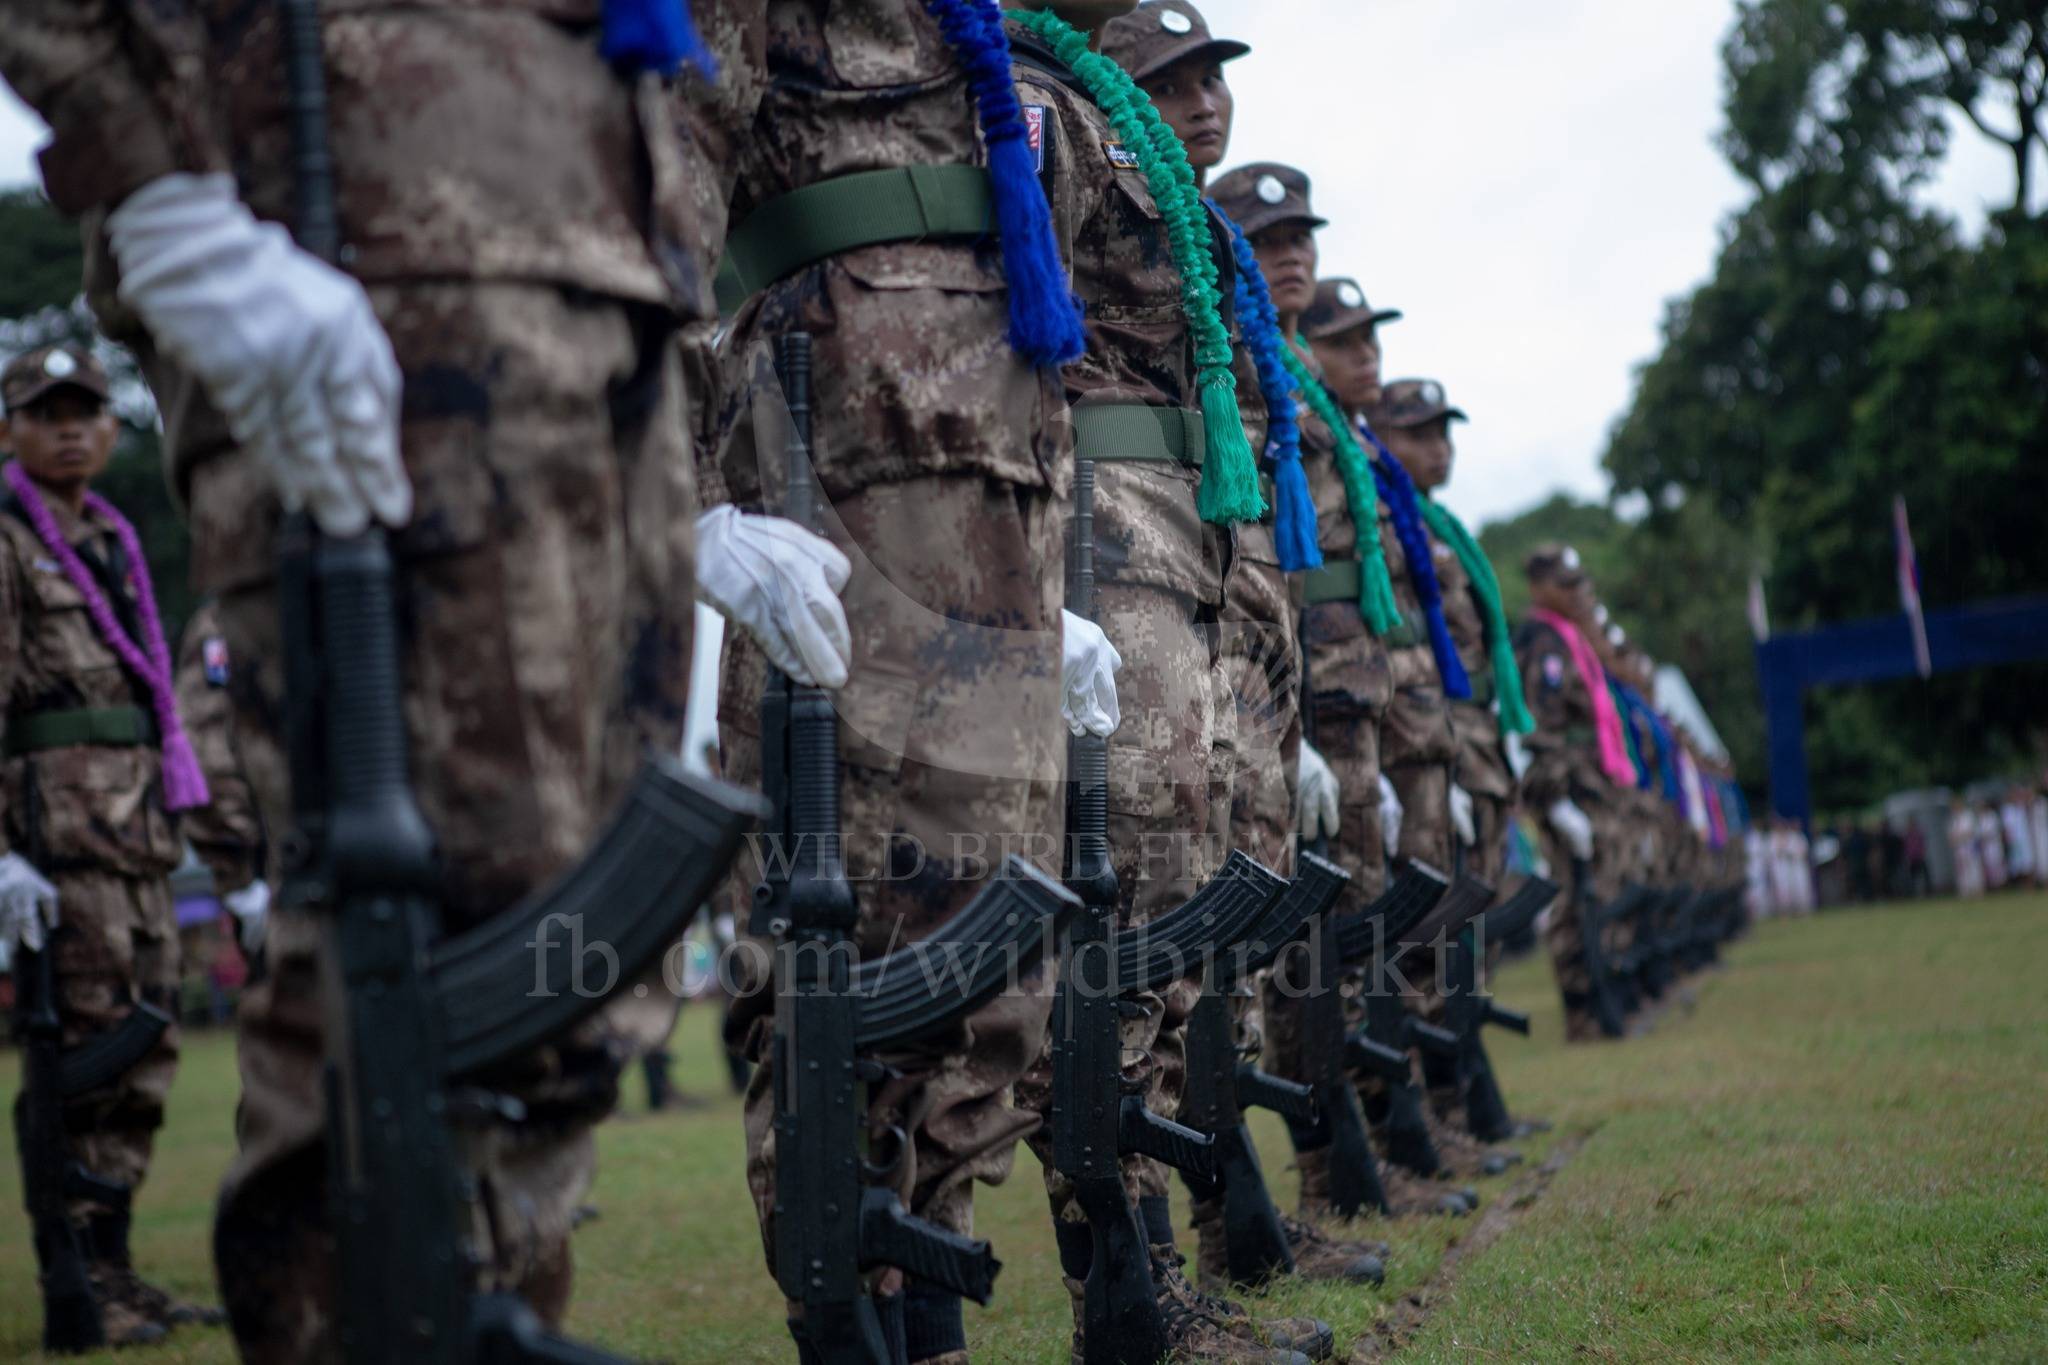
(62, 440)
(1195, 101)
(1424, 451)
(1287, 255)
(1351, 366)
(1566, 597)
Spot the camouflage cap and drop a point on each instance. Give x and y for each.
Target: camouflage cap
(1262, 194)
(1414, 403)
(1340, 306)
(1159, 33)
(32, 374)
(1554, 563)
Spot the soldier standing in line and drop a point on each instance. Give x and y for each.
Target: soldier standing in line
(1153, 408)
(1577, 757)
(513, 265)
(1349, 608)
(943, 460)
(1168, 49)
(96, 763)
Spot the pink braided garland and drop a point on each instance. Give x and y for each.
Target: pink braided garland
(184, 783)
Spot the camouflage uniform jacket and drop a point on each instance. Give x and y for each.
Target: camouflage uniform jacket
(1417, 724)
(474, 139)
(1115, 241)
(913, 371)
(1349, 670)
(1564, 752)
(1482, 762)
(100, 806)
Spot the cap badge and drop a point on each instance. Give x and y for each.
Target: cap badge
(1430, 392)
(1270, 190)
(1173, 21)
(1570, 558)
(59, 365)
(1350, 295)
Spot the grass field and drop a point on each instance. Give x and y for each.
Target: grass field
(1838, 1150)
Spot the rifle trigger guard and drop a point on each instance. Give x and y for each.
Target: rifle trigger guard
(899, 1143)
(474, 1107)
(1138, 1077)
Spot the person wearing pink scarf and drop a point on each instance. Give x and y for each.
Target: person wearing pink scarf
(1578, 758)
(93, 762)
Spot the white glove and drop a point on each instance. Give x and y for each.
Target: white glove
(1315, 796)
(1088, 665)
(287, 346)
(782, 583)
(1461, 816)
(251, 909)
(28, 904)
(1391, 815)
(1573, 826)
(1518, 754)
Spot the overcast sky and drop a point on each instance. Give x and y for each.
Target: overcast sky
(1529, 183)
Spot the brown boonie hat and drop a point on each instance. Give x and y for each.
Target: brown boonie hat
(1159, 33)
(1264, 193)
(32, 374)
(1340, 306)
(1554, 563)
(1414, 402)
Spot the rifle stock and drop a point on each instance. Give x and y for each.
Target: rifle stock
(71, 1311)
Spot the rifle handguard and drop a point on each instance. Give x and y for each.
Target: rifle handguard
(891, 1235)
(512, 982)
(1144, 1133)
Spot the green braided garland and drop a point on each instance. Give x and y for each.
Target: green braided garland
(1230, 477)
(1375, 588)
(1500, 650)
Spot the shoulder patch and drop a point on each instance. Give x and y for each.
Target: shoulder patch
(213, 658)
(1118, 155)
(1553, 670)
(1034, 135)
(45, 564)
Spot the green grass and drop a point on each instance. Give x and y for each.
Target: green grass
(1836, 1154)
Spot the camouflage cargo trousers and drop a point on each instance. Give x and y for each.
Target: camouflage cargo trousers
(116, 943)
(1160, 837)
(545, 604)
(951, 749)
(1596, 881)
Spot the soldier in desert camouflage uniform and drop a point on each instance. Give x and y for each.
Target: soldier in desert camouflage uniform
(520, 233)
(1166, 45)
(83, 803)
(942, 462)
(1568, 782)
(1160, 588)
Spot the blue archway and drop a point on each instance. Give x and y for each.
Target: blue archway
(1979, 635)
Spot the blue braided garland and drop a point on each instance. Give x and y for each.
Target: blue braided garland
(1294, 509)
(652, 35)
(1398, 491)
(1045, 322)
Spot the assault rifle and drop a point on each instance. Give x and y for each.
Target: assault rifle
(1339, 1126)
(1391, 1030)
(1222, 1081)
(420, 1023)
(1467, 1012)
(50, 1178)
(832, 1221)
(1606, 999)
(1097, 1117)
